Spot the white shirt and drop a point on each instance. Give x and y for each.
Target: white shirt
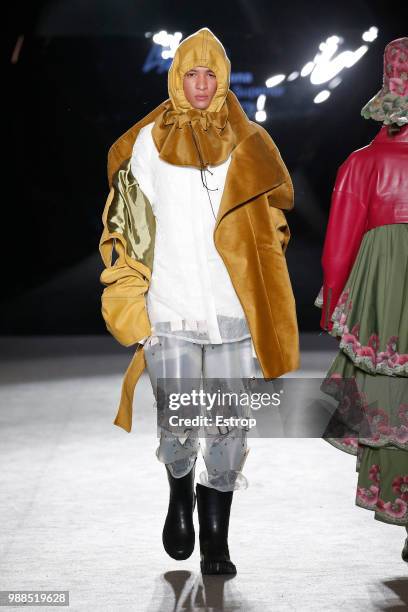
(190, 293)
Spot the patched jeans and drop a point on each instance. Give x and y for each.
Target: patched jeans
(224, 448)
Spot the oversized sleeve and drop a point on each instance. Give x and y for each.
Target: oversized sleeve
(345, 229)
(128, 233)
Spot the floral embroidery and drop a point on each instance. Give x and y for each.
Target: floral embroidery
(403, 413)
(394, 434)
(367, 356)
(374, 473)
(371, 500)
(357, 421)
(378, 419)
(348, 444)
(396, 509)
(368, 496)
(400, 486)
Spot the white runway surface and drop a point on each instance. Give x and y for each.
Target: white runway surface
(82, 502)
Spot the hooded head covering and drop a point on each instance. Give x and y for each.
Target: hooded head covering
(390, 104)
(187, 136)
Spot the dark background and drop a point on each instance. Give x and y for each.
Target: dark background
(77, 78)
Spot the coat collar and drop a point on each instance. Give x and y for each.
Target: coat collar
(382, 135)
(255, 168)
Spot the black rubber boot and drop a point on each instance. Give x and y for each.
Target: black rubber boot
(213, 515)
(178, 532)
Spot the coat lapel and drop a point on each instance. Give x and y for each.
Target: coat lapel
(254, 170)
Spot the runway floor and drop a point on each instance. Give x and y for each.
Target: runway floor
(82, 502)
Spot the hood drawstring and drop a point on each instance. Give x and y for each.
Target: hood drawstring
(203, 170)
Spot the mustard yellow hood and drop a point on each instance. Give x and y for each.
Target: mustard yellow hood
(200, 49)
(188, 136)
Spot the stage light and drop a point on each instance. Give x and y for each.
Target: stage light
(327, 49)
(169, 41)
(370, 34)
(307, 69)
(324, 68)
(327, 70)
(354, 56)
(160, 38)
(260, 115)
(321, 96)
(334, 82)
(275, 80)
(293, 75)
(260, 102)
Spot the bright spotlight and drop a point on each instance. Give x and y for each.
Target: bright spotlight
(370, 34)
(334, 40)
(293, 75)
(307, 69)
(356, 55)
(321, 96)
(275, 80)
(334, 82)
(327, 70)
(160, 38)
(327, 50)
(170, 42)
(260, 115)
(260, 102)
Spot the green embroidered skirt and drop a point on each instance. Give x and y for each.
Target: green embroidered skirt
(369, 375)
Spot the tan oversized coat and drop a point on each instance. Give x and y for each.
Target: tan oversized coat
(251, 235)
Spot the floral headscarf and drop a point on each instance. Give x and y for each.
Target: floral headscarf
(390, 104)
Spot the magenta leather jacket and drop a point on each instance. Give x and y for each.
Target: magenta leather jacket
(371, 190)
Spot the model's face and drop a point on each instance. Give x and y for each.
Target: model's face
(200, 85)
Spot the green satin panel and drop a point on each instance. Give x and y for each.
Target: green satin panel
(131, 215)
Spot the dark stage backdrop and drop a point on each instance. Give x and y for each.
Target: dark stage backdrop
(81, 73)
